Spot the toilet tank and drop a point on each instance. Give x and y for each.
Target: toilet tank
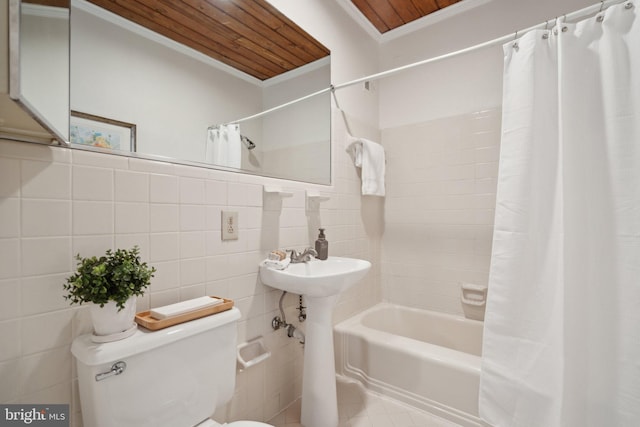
(174, 377)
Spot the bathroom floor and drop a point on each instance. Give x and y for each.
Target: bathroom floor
(359, 408)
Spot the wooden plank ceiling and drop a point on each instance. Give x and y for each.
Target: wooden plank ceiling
(387, 15)
(249, 35)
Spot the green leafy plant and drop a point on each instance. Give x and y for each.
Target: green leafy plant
(116, 276)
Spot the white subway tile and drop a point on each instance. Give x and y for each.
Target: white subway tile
(163, 217)
(164, 247)
(246, 286)
(43, 370)
(48, 255)
(192, 245)
(162, 298)
(486, 186)
(131, 217)
(10, 373)
(192, 217)
(42, 217)
(216, 192)
(192, 271)
(92, 183)
(9, 299)
(152, 166)
(10, 339)
(192, 191)
(128, 241)
(213, 219)
(42, 294)
(92, 245)
(57, 394)
(9, 258)
(88, 158)
(9, 177)
(163, 189)
(191, 171)
(487, 154)
(217, 267)
(237, 195)
(34, 151)
(9, 217)
(191, 292)
(92, 218)
(46, 331)
(46, 180)
(131, 186)
(167, 276)
(254, 195)
(213, 242)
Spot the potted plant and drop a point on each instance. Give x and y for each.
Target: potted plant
(112, 283)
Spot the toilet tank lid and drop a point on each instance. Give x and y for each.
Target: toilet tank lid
(92, 354)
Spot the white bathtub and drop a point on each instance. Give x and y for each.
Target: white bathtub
(427, 359)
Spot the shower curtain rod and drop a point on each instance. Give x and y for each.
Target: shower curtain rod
(595, 8)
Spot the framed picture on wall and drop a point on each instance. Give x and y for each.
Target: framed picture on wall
(96, 131)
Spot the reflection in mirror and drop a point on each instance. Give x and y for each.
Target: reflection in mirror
(294, 142)
(43, 86)
(123, 72)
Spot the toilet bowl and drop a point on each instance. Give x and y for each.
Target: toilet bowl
(175, 376)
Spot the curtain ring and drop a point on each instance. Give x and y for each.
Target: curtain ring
(628, 5)
(546, 31)
(515, 42)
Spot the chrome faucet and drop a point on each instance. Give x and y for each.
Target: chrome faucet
(304, 256)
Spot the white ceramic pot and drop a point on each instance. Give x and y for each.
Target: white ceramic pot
(108, 320)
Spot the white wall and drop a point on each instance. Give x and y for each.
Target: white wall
(467, 83)
(55, 202)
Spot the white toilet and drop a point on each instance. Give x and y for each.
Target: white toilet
(174, 377)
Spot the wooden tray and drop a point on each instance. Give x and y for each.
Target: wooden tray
(144, 317)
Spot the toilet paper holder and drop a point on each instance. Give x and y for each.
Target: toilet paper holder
(252, 352)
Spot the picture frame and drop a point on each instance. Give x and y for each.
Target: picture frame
(91, 130)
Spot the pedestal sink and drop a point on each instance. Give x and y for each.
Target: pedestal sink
(320, 282)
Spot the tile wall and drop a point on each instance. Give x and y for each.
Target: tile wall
(56, 202)
(441, 187)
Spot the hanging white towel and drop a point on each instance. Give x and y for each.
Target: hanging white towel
(369, 156)
(224, 147)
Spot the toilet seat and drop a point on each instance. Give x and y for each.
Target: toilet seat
(211, 423)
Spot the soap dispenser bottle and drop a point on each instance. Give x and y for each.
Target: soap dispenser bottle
(322, 246)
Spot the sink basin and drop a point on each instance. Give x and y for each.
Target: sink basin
(316, 278)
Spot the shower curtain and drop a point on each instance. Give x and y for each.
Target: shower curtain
(224, 146)
(562, 327)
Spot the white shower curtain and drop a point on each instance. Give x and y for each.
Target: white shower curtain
(224, 146)
(562, 327)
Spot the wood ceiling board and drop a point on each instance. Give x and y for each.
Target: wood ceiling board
(249, 35)
(386, 15)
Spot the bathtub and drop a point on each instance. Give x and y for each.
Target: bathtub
(426, 359)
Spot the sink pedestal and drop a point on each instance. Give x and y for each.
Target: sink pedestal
(319, 399)
(320, 282)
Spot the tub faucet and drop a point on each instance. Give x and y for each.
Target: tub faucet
(304, 256)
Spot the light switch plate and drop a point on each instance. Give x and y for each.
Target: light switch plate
(229, 225)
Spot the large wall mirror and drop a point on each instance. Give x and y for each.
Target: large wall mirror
(167, 94)
(173, 81)
(38, 71)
